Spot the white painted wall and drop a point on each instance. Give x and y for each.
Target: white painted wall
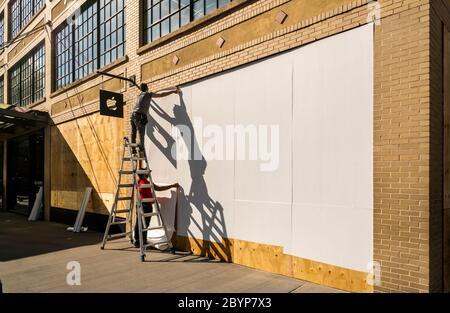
(318, 204)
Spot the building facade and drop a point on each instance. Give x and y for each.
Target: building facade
(350, 95)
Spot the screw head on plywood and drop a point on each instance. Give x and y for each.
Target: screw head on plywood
(220, 42)
(281, 17)
(175, 60)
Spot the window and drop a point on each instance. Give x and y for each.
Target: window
(2, 90)
(165, 16)
(21, 12)
(27, 79)
(63, 55)
(95, 40)
(2, 32)
(86, 41)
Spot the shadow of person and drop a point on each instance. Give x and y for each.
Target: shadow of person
(212, 226)
(154, 128)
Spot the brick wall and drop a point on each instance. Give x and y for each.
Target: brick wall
(402, 146)
(407, 113)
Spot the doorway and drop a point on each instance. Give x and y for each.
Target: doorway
(25, 171)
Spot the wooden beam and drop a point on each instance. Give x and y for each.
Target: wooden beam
(26, 116)
(17, 121)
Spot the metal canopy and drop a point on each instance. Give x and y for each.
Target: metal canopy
(18, 121)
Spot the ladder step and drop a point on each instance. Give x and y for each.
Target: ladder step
(150, 214)
(153, 228)
(143, 172)
(134, 159)
(118, 235)
(124, 198)
(122, 211)
(119, 223)
(126, 172)
(133, 145)
(148, 200)
(145, 186)
(126, 185)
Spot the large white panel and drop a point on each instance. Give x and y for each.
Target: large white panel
(264, 98)
(333, 130)
(212, 190)
(317, 203)
(263, 222)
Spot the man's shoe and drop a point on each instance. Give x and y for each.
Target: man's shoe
(137, 244)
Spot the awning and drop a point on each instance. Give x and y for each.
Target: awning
(16, 121)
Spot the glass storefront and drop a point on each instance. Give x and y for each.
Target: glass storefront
(25, 171)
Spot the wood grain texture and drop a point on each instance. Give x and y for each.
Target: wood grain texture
(86, 153)
(273, 259)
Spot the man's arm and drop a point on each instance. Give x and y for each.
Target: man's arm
(166, 92)
(163, 188)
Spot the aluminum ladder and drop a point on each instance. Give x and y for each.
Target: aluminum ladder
(132, 160)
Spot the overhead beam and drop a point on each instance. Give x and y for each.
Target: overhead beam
(17, 121)
(26, 116)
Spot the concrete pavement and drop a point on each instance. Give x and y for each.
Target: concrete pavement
(34, 258)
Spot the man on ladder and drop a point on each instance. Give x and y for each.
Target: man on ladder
(147, 204)
(140, 110)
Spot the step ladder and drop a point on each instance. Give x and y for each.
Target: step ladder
(132, 157)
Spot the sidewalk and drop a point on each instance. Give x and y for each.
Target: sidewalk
(34, 256)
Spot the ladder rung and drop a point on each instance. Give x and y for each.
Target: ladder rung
(145, 186)
(148, 200)
(124, 198)
(153, 228)
(126, 172)
(143, 171)
(118, 235)
(119, 223)
(133, 145)
(122, 211)
(150, 214)
(134, 159)
(126, 185)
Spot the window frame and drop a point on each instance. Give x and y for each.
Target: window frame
(2, 32)
(147, 27)
(18, 66)
(37, 7)
(2, 88)
(75, 67)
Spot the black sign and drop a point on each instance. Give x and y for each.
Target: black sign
(111, 103)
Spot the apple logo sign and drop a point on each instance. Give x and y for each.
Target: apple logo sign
(111, 103)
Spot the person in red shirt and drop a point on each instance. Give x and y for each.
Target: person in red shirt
(146, 193)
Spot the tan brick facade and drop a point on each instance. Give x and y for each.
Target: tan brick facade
(408, 133)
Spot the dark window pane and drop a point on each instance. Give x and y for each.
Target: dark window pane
(14, 15)
(64, 58)
(21, 12)
(27, 79)
(2, 32)
(112, 43)
(2, 90)
(86, 41)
